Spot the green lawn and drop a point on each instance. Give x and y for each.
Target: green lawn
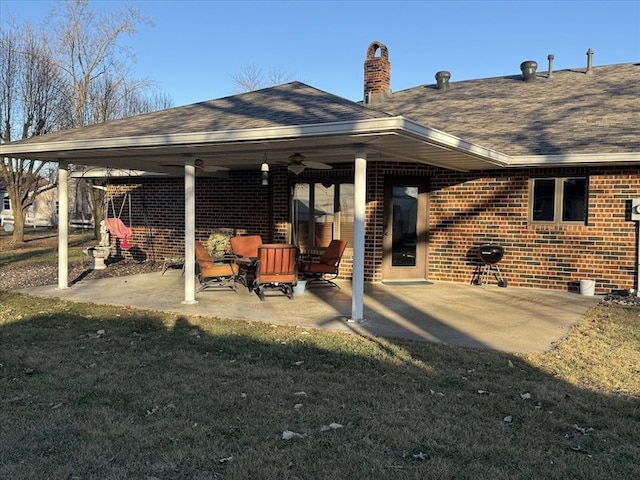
(41, 245)
(93, 392)
(101, 392)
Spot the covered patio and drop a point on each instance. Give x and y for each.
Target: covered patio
(521, 320)
(244, 133)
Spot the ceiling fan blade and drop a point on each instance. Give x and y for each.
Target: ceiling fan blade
(204, 168)
(316, 165)
(214, 168)
(214, 174)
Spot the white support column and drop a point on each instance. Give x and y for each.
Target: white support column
(63, 225)
(189, 231)
(359, 207)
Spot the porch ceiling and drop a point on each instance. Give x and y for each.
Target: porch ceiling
(391, 138)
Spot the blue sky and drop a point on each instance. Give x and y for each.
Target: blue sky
(195, 47)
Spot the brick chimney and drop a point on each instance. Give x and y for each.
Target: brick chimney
(377, 74)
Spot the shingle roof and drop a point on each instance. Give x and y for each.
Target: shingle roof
(289, 104)
(571, 112)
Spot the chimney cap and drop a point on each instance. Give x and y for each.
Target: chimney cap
(375, 47)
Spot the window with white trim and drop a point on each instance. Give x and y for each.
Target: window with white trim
(559, 200)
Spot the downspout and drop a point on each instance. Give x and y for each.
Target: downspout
(635, 216)
(359, 207)
(63, 225)
(189, 231)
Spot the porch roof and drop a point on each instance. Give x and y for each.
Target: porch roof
(237, 132)
(576, 119)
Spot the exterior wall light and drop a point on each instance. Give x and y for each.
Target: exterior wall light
(265, 172)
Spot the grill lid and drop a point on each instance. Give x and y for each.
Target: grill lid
(491, 253)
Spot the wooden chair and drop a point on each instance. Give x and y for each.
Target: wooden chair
(214, 274)
(325, 269)
(276, 269)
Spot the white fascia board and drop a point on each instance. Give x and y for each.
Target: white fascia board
(446, 140)
(368, 127)
(575, 159)
(377, 125)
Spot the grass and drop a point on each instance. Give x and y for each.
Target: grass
(102, 392)
(41, 246)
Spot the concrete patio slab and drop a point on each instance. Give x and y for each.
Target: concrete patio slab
(507, 319)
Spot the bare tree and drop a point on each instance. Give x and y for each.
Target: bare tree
(252, 77)
(84, 79)
(29, 96)
(279, 75)
(91, 58)
(96, 71)
(111, 98)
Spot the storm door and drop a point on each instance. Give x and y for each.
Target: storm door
(405, 229)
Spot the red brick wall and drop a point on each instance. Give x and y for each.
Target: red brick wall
(465, 211)
(468, 210)
(157, 220)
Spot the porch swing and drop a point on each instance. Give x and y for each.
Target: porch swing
(116, 226)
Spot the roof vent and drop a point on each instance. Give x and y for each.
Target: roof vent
(529, 70)
(442, 79)
(550, 57)
(589, 62)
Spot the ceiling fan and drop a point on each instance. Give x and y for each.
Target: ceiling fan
(298, 163)
(201, 167)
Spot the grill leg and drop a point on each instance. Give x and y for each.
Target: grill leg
(501, 281)
(476, 279)
(488, 269)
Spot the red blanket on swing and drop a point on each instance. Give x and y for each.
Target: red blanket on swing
(120, 230)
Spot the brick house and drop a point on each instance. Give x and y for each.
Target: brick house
(545, 164)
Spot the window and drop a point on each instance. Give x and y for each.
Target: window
(6, 203)
(321, 212)
(559, 200)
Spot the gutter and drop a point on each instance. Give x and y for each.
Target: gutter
(591, 159)
(358, 128)
(451, 142)
(222, 137)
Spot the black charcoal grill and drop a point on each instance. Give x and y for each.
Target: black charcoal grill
(490, 255)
